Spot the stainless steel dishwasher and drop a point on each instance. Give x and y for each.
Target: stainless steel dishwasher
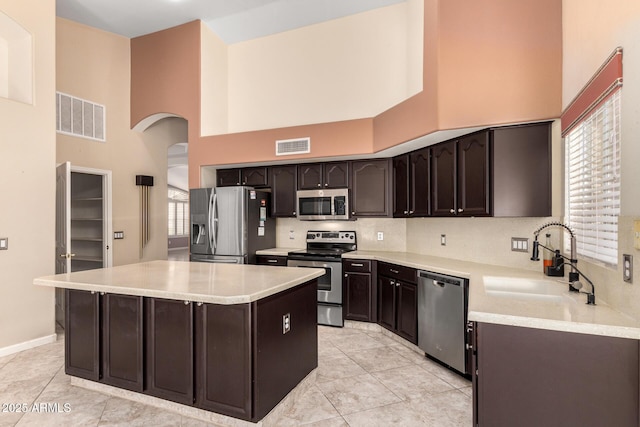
(442, 319)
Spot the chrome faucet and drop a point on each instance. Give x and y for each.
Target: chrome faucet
(574, 274)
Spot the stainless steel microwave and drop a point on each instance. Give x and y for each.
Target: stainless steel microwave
(314, 205)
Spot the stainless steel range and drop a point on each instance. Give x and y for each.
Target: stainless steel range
(324, 250)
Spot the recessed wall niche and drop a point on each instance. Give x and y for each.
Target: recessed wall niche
(16, 61)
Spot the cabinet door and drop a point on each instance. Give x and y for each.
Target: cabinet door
(122, 338)
(169, 349)
(255, 177)
(228, 177)
(371, 188)
(359, 303)
(473, 175)
(283, 187)
(443, 179)
(401, 186)
(387, 302)
(82, 334)
(276, 260)
(223, 359)
(310, 176)
(336, 175)
(407, 317)
(419, 177)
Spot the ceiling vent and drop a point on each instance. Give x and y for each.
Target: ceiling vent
(287, 147)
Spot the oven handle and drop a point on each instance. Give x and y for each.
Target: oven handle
(312, 264)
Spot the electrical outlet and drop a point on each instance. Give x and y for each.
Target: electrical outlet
(627, 268)
(292, 235)
(4, 243)
(519, 244)
(286, 323)
(443, 240)
(380, 235)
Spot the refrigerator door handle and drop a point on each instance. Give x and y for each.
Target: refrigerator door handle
(213, 220)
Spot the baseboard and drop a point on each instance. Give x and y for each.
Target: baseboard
(48, 339)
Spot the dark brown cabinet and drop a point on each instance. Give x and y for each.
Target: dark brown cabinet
(284, 184)
(535, 377)
(411, 184)
(122, 335)
(360, 290)
(275, 260)
(255, 177)
(398, 300)
(460, 177)
(371, 191)
(228, 177)
(82, 334)
(169, 349)
(323, 175)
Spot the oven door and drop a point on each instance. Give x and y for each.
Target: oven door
(330, 284)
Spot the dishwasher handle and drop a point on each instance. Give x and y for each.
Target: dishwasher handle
(441, 280)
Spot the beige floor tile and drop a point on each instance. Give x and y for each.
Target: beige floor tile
(378, 359)
(328, 350)
(313, 406)
(409, 383)
(445, 374)
(356, 342)
(335, 368)
(357, 393)
(6, 359)
(449, 409)
(382, 338)
(118, 412)
(415, 357)
(333, 422)
(395, 414)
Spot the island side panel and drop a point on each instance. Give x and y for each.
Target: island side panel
(282, 360)
(82, 334)
(223, 359)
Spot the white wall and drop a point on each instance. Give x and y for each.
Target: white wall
(591, 31)
(27, 187)
(214, 102)
(353, 67)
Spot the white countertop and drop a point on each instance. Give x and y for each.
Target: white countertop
(517, 297)
(189, 281)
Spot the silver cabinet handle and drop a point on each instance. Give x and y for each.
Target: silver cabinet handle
(199, 304)
(353, 213)
(468, 346)
(319, 185)
(294, 212)
(460, 209)
(272, 260)
(406, 212)
(346, 275)
(102, 293)
(394, 271)
(93, 292)
(410, 212)
(357, 265)
(397, 284)
(393, 282)
(452, 210)
(326, 184)
(186, 303)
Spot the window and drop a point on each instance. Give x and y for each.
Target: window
(592, 181)
(178, 214)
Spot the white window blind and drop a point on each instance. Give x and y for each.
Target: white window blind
(592, 181)
(178, 214)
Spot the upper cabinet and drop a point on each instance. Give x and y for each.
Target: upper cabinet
(253, 177)
(228, 177)
(411, 184)
(323, 175)
(501, 172)
(371, 191)
(284, 184)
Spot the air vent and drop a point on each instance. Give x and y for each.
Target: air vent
(77, 117)
(287, 147)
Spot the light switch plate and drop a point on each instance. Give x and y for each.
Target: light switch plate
(443, 240)
(118, 235)
(627, 268)
(636, 234)
(286, 323)
(520, 244)
(4, 243)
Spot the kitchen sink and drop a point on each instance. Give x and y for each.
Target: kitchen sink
(524, 288)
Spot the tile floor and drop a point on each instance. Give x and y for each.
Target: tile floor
(364, 378)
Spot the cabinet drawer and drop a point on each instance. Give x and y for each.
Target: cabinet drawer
(271, 260)
(406, 274)
(358, 265)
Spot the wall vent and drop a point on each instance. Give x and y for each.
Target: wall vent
(287, 147)
(78, 117)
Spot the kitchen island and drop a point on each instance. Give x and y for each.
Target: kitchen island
(230, 339)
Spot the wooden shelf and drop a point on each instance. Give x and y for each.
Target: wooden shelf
(86, 199)
(87, 258)
(86, 219)
(86, 239)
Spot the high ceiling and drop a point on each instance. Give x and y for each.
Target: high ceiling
(232, 20)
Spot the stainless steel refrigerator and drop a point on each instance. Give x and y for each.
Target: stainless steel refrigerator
(229, 224)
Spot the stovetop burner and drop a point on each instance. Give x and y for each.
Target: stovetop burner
(326, 244)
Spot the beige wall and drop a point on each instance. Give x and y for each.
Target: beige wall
(214, 103)
(95, 65)
(591, 31)
(27, 186)
(349, 68)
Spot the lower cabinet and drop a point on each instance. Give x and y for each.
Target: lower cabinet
(535, 377)
(398, 300)
(82, 334)
(360, 293)
(169, 349)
